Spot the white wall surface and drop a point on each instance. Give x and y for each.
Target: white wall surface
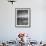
(8, 31)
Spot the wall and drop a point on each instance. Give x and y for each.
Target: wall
(8, 31)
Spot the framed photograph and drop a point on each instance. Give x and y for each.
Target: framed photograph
(22, 17)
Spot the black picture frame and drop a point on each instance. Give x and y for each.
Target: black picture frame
(23, 17)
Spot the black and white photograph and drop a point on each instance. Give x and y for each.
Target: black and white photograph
(23, 17)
